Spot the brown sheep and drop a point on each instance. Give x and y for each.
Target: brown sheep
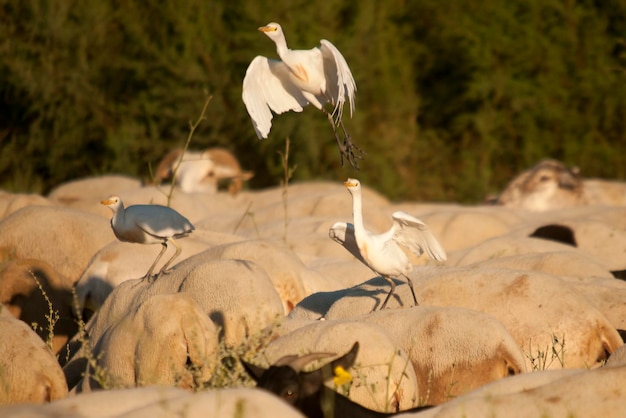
(20, 293)
(29, 372)
(202, 171)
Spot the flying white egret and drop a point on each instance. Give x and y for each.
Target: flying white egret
(318, 76)
(148, 224)
(382, 252)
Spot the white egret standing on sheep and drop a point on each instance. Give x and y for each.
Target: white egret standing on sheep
(382, 252)
(318, 76)
(148, 224)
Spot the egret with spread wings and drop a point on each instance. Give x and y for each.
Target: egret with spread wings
(382, 252)
(317, 76)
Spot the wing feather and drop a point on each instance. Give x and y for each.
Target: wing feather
(267, 88)
(416, 236)
(158, 221)
(343, 233)
(340, 85)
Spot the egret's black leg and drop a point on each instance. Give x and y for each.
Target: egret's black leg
(393, 288)
(412, 290)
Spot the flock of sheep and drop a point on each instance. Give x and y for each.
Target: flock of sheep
(522, 319)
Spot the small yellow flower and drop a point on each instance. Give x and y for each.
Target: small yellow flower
(342, 376)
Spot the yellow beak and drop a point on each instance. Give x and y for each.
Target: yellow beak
(348, 183)
(267, 28)
(106, 202)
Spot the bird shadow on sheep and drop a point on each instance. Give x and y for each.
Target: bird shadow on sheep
(321, 302)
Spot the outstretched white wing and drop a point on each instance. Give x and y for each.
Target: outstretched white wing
(416, 236)
(267, 88)
(343, 233)
(340, 85)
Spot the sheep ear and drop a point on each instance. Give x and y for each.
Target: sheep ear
(254, 371)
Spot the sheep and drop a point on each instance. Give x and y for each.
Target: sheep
(161, 401)
(306, 390)
(29, 372)
(551, 185)
(119, 261)
(282, 266)
(534, 307)
(202, 171)
(63, 237)
(227, 291)
(548, 185)
(568, 263)
(166, 340)
(10, 202)
(600, 233)
(92, 188)
(455, 226)
(20, 292)
(605, 192)
(384, 379)
(453, 350)
(511, 246)
(564, 393)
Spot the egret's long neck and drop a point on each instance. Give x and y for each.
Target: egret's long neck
(118, 216)
(281, 47)
(357, 213)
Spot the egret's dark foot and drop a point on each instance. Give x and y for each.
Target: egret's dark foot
(410, 283)
(351, 152)
(163, 272)
(391, 291)
(347, 149)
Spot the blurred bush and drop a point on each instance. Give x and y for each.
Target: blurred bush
(454, 98)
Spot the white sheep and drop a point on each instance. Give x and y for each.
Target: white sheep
(571, 393)
(166, 340)
(160, 401)
(539, 310)
(453, 350)
(228, 292)
(456, 226)
(384, 379)
(282, 266)
(29, 372)
(63, 237)
(118, 261)
(10, 202)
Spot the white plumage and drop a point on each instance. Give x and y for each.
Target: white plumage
(382, 252)
(316, 76)
(148, 224)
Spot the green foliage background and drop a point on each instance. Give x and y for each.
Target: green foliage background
(454, 97)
